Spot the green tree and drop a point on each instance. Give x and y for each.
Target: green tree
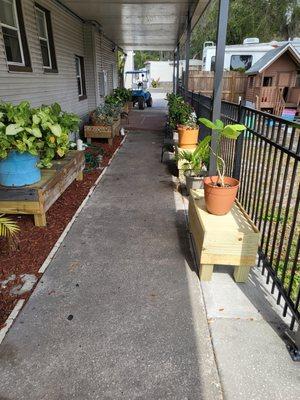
(266, 19)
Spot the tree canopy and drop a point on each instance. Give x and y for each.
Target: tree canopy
(266, 19)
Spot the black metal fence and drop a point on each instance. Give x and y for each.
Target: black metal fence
(266, 160)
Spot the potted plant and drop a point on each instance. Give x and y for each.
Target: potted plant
(30, 139)
(220, 190)
(195, 164)
(125, 96)
(183, 118)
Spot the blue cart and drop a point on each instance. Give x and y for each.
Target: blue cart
(139, 84)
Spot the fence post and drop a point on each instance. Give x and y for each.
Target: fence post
(187, 56)
(295, 350)
(238, 145)
(177, 68)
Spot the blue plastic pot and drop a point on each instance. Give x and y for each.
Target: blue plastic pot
(19, 169)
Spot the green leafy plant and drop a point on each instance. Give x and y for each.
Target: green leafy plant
(123, 94)
(180, 112)
(113, 100)
(196, 161)
(231, 131)
(105, 114)
(119, 97)
(42, 131)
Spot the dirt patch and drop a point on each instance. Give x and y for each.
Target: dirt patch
(34, 243)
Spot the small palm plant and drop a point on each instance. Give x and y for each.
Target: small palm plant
(8, 229)
(195, 161)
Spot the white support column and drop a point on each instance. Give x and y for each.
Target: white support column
(129, 66)
(174, 72)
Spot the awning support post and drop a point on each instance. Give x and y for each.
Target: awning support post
(219, 67)
(177, 68)
(187, 56)
(174, 72)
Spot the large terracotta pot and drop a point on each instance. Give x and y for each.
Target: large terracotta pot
(219, 200)
(187, 137)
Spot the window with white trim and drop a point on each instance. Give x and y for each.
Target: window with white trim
(80, 77)
(45, 34)
(43, 37)
(11, 32)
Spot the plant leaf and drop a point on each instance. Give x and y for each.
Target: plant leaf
(13, 129)
(230, 133)
(208, 123)
(219, 124)
(8, 228)
(55, 129)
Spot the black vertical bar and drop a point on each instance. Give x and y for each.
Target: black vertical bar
(219, 67)
(187, 56)
(238, 145)
(174, 72)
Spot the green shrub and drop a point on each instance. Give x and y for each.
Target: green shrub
(42, 131)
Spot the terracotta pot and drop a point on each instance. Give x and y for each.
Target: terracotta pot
(219, 200)
(187, 138)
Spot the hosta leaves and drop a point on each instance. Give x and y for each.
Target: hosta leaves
(35, 119)
(55, 129)
(35, 131)
(43, 131)
(13, 129)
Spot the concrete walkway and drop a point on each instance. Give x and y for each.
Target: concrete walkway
(118, 314)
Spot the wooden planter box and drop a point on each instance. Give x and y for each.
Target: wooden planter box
(126, 108)
(230, 239)
(36, 199)
(102, 131)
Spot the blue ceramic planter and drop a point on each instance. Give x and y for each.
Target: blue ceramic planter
(19, 169)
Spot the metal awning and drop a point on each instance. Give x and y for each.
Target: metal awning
(140, 24)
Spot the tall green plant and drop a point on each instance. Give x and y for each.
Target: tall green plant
(231, 131)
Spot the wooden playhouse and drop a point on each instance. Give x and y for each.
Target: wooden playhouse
(273, 82)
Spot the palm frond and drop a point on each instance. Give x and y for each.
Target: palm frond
(8, 228)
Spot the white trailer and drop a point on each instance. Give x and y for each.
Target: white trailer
(241, 56)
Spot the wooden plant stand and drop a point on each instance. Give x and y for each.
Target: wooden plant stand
(231, 239)
(36, 199)
(102, 131)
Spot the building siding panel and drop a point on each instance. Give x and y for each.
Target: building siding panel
(45, 88)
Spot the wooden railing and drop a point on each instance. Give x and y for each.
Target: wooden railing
(270, 97)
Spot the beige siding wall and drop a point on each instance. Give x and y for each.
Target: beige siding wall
(106, 60)
(71, 36)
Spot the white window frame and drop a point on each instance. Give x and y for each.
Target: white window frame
(77, 59)
(17, 29)
(46, 39)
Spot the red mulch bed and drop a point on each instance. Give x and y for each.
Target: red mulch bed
(34, 243)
